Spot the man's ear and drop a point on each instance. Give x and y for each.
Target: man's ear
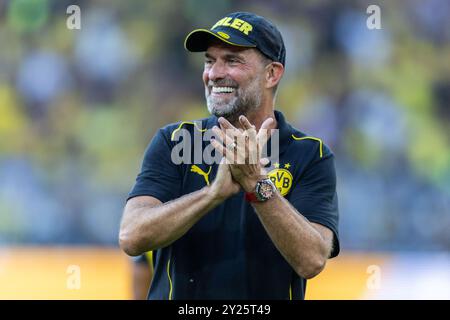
(274, 72)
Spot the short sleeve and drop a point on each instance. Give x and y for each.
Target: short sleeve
(315, 196)
(159, 176)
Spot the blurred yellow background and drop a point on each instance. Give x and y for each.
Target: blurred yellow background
(105, 273)
(79, 106)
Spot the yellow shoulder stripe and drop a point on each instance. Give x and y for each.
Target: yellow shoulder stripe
(149, 255)
(311, 138)
(170, 280)
(181, 125)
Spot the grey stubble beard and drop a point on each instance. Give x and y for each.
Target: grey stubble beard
(241, 104)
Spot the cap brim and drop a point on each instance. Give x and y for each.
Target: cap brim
(199, 40)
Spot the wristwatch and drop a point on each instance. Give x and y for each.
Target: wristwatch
(264, 190)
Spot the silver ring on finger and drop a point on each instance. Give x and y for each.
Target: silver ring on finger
(231, 146)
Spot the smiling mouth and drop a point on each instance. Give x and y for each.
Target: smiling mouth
(219, 90)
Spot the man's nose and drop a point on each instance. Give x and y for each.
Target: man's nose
(217, 71)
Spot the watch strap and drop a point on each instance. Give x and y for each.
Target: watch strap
(251, 197)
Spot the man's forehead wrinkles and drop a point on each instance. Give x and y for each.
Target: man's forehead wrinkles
(225, 53)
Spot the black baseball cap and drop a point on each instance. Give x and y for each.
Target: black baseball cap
(242, 29)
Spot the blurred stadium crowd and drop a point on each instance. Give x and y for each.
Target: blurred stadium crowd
(78, 107)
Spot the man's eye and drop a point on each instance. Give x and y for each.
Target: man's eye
(208, 62)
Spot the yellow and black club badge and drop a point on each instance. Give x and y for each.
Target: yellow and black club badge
(281, 178)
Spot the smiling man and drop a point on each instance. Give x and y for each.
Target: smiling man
(249, 229)
(235, 91)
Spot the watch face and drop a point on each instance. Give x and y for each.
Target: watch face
(265, 189)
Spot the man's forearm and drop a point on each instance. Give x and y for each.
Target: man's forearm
(294, 236)
(146, 228)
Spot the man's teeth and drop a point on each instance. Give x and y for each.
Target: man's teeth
(222, 89)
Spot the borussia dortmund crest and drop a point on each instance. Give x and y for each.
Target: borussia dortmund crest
(281, 178)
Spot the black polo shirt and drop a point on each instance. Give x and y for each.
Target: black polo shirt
(228, 254)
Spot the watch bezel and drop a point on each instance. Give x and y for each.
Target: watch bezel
(262, 194)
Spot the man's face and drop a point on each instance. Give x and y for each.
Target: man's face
(233, 78)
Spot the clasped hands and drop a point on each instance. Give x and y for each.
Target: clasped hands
(241, 148)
